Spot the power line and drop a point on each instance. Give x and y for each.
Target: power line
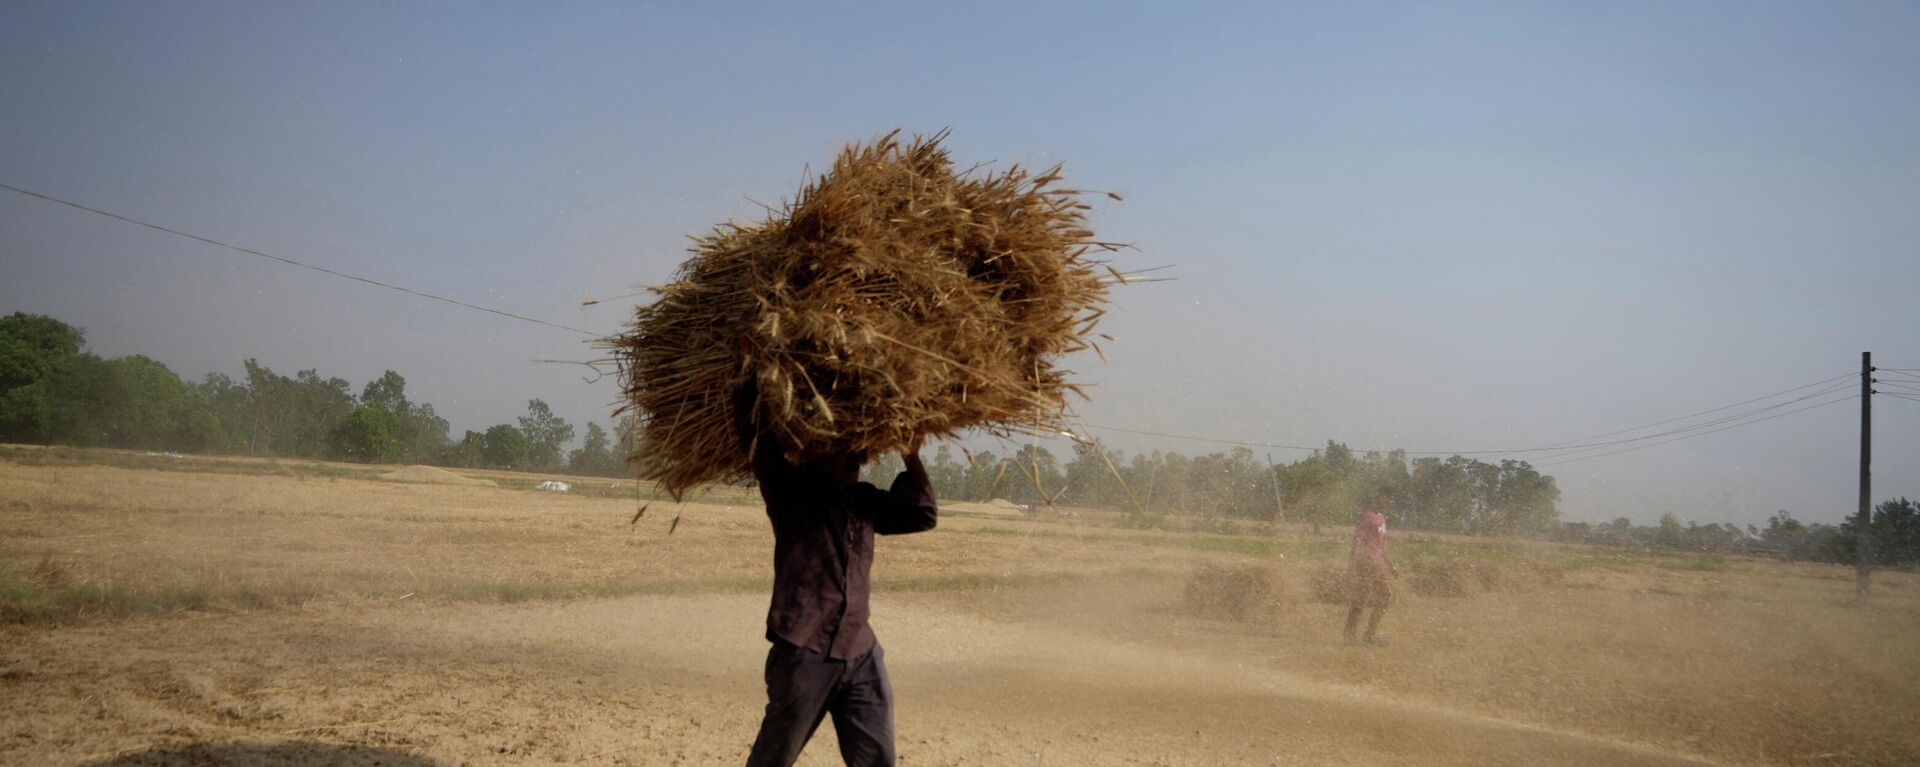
(1578, 449)
(1241, 443)
(1704, 433)
(1909, 398)
(1705, 412)
(1560, 449)
(301, 264)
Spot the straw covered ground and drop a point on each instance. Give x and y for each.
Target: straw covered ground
(896, 296)
(240, 613)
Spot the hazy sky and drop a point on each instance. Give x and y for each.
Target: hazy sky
(1459, 228)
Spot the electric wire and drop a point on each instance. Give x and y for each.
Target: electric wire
(1700, 434)
(1705, 412)
(1560, 449)
(1189, 438)
(1740, 417)
(298, 263)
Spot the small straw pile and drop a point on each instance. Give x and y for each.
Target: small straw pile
(893, 299)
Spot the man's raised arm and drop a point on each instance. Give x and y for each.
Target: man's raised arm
(909, 505)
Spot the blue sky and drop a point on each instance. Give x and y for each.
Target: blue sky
(1439, 228)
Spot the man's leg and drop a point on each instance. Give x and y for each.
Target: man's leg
(863, 712)
(1353, 616)
(1381, 596)
(799, 683)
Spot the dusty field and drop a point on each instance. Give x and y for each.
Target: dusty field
(208, 614)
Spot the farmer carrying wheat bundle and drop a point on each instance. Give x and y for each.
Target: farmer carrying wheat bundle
(893, 300)
(825, 658)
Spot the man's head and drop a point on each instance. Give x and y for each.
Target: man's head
(839, 462)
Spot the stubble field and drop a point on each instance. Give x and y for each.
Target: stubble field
(194, 611)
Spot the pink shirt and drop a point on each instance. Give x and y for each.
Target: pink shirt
(1370, 540)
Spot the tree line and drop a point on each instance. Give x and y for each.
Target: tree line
(1329, 487)
(54, 391)
(1893, 536)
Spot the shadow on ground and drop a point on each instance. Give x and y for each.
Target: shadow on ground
(249, 754)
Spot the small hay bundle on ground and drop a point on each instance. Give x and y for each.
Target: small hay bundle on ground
(893, 298)
(1246, 593)
(1331, 585)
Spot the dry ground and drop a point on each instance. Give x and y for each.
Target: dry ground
(210, 614)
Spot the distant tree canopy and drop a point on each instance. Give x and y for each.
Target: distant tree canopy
(420, 434)
(505, 447)
(53, 391)
(1894, 537)
(547, 435)
(35, 351)
(595, 455)
(367, 435)
(1328, 487)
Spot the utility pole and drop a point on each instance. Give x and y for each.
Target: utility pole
(1279, 501)
(1865, 519)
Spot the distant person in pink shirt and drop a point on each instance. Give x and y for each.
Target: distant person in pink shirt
(1368, 570)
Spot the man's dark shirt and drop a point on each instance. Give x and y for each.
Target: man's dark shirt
(823, 549)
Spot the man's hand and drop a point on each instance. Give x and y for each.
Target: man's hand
(911, 455)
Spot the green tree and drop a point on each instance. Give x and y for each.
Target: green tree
(1670, 534)
(421, 432)
(367, 435)
(1323, 489)
(546, 435)
(389, 391)
(504, 447)
(947, 475)
(1032, 476)
(469, 452)
(1524, 501)
(295, 416)
(985, 475)
(595, 456)
(424, 432)
(1896, 532)
(230, 403)
(34, 350)
(131, 402)
(1090, 482)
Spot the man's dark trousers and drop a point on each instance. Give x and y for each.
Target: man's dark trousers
(804, 686)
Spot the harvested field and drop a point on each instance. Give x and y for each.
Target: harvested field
(431, 475)
(165, 616)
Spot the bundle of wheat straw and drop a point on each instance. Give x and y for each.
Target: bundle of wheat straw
(893, 298)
